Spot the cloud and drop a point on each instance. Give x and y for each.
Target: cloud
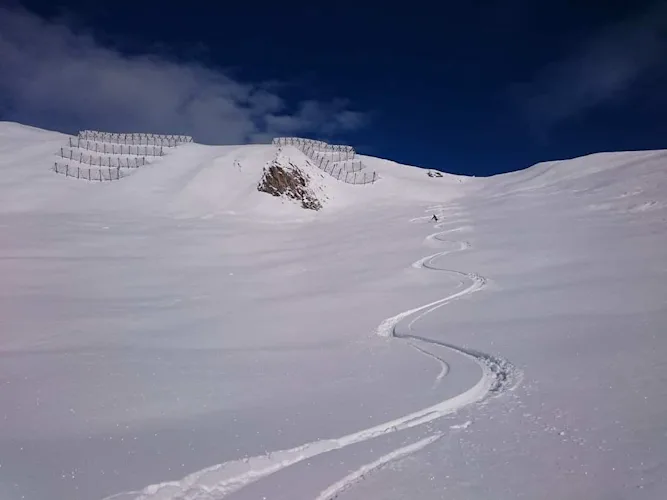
(54, 77)
(603, 70)
(331, 117)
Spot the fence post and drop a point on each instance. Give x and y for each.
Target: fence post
(66, 170)
(354, 180)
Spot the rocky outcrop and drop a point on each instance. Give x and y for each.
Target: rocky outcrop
(290, 182)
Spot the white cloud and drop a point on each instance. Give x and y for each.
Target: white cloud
(601, 71)
(53, 77)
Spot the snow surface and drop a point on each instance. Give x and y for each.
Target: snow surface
(177, 334)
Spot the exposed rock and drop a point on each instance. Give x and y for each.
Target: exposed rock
(434, 173)
(289, 181)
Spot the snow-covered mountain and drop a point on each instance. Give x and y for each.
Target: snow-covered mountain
(175, 333)
(190, 180)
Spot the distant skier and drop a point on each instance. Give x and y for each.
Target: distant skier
(434, 218)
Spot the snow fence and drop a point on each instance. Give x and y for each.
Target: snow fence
(115, 149)
(135, 139)
(102, 160)
(335, 159)
(88, 174)
(116, 152)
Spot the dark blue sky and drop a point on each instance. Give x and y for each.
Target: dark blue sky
(464, 86)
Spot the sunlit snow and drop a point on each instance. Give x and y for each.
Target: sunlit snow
(177, 334)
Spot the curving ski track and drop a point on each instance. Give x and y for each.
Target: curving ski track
(498, 374)
(348, 481)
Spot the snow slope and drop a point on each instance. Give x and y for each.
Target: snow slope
(177, 334)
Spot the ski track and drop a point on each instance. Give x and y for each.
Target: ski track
(444, 366)
(498, 374)
(348, 481)
(438, 237)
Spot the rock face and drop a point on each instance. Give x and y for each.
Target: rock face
(288, 181)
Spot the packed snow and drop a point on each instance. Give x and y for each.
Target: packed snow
(177, 334)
